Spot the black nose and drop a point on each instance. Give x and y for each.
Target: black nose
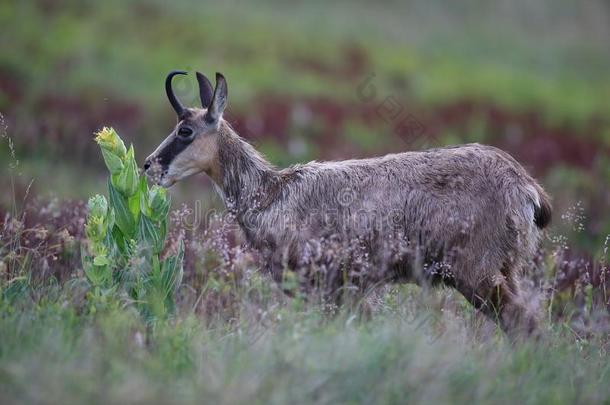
(146, 165)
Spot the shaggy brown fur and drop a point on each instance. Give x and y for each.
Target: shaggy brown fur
(468, 216)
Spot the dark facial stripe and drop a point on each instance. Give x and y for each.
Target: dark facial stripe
(173, 149)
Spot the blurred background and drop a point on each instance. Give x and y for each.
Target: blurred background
(313, 80)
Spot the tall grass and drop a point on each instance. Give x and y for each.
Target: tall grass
(237, 338)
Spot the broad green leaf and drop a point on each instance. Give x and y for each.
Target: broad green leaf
(143, 191)
(98, 276)
(173, 271)
(163, 229)
(113, 162)
(134, 205)
(159, 202)
(119, 241)
(123, 218)
(148, 233)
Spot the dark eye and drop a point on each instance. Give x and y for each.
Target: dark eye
(185, 132)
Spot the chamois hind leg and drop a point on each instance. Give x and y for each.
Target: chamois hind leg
(503, 301)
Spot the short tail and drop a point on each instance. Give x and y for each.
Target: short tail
(543, 211)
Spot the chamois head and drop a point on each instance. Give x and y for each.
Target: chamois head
(192, 147)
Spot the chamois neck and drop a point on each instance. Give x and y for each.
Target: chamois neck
(246, 176)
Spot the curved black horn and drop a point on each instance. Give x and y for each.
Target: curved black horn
(178, 107)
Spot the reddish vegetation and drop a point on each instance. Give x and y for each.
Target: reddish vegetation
(46, 236)
(66, 116)
(65, 122)
(9, 86)
(525, 135)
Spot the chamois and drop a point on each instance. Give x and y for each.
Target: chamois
(469, 216)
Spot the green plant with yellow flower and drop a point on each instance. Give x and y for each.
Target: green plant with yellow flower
(126, 235)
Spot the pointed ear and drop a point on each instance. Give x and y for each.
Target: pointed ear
(219, 100)
(206, 91)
